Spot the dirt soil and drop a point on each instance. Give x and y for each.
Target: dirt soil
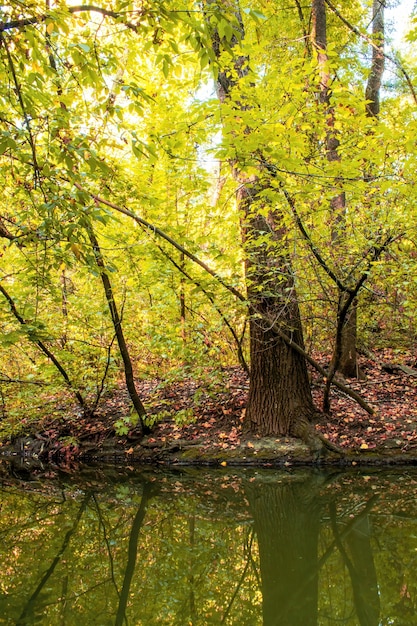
(214, 437)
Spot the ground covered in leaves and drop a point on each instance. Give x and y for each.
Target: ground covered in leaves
(200, 422)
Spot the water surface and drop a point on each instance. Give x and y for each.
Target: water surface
(138, 547)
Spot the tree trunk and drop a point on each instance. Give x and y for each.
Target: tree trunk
(348, 365)
(280, 401)
(117, 325)
(345, 355)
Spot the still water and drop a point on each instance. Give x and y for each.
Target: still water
(139, 547)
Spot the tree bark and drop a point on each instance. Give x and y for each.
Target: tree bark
(279, 401)
(378, 59)
(345, 355)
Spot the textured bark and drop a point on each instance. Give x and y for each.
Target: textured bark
(373, 86)
(279, 400)
(348, 359)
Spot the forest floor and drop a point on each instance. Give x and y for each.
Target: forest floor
(201, 424)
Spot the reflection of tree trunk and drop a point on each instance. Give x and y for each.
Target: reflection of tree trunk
(191, 581)
(287, 521)
(132, 554)
(360, 563)
(27, 615)
(249, 562)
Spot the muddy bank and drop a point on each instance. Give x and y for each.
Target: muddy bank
(261, 452)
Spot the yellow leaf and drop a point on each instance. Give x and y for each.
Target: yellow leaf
(223, 463)
(50, 28)
(76, 250)
(364, 446)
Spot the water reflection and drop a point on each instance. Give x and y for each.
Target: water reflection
(193, 548)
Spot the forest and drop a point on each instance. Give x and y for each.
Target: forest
(208, 205)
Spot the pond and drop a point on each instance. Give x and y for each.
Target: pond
(144, 547)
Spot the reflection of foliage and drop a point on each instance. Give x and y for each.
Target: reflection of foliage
(197, 556)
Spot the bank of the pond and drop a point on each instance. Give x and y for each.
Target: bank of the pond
(259, 452)
(196, 422)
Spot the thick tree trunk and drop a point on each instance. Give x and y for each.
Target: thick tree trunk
(280, 401)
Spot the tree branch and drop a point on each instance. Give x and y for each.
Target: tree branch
(311, 245)
(365, 37)
(23, 107)
(272, 323)
(43, 347)
(83, 8)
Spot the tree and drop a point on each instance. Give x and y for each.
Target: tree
(103, 123)
(280, 400)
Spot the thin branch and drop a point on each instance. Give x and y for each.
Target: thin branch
(18, 381)
(195, 282)
(22, 106)
(163, 235)
(310, 243)
(83, 8)
(43, 347)
(100, 387)
(369, 40)
(342, 314)
(272, 322)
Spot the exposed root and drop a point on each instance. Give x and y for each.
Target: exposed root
(316, 442)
